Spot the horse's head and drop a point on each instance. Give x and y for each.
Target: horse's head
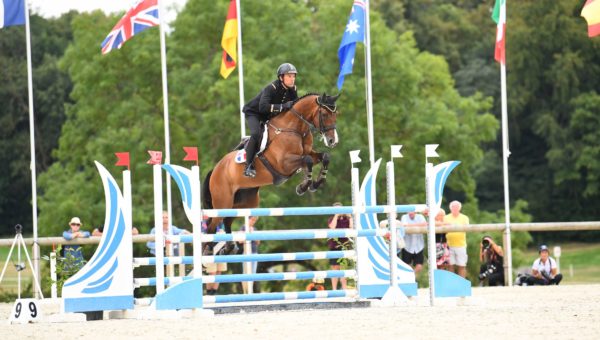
(323, 116)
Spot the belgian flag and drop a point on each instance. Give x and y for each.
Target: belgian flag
(229, 41)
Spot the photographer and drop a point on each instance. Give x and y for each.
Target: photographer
(544, 270)
(492, 270)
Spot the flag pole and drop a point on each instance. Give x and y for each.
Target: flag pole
(36, 247)
(240, 66)
(505, 155)
(369, 90)
(163, 63)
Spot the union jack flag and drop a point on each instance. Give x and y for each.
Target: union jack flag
(143, 14)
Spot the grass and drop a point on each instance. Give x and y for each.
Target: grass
(579, 262)
(9, 282)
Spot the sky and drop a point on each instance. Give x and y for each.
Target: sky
(54, 8)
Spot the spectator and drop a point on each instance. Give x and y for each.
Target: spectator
(441, 245)
(316, 285)
(544, 270)
(492, 269)
(253, 247)
(98, 231)
(457, 241)
(412, 253)
(338, 221)
(74, 232)
(400, 232)
(168, 229)
(214, 268)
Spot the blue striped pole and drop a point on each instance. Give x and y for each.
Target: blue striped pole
(280, 296)
(286, 276)
(307, 234)
(302, 211)
(273, 257)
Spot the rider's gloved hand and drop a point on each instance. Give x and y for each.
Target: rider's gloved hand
(287, 106)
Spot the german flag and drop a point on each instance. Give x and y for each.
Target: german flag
(229, 41)
(591, 13)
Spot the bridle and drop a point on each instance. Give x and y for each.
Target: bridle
(322, 129)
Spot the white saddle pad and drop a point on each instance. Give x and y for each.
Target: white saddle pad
(240, 156)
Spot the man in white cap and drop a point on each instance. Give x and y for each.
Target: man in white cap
(71, 234)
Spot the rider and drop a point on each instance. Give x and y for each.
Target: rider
(275, 98)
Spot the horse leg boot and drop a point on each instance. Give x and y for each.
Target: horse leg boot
(322, 174)
(230, 247)
(207, 247)
(306, 183)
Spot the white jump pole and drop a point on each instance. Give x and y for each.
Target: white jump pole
(159, 238)
(197, 222)
(430, 199)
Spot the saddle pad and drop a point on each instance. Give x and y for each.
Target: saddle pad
(240, 156)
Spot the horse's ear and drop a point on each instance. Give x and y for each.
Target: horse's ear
(334, 98)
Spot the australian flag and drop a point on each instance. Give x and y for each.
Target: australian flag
(12, 12)
(355, 32)
(143, 14)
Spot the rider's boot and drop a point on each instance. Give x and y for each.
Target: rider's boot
(249, 170)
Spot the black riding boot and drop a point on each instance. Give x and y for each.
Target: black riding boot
(249, 170)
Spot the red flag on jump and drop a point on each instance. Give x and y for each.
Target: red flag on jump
(155, 157)
(122, 159)
(191, 153)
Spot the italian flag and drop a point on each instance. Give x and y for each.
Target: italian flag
(499, 17)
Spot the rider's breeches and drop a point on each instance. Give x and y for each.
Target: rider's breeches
(253, 123)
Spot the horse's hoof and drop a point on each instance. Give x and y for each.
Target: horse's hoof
(312, 188)
(207, 249)
(299, 190)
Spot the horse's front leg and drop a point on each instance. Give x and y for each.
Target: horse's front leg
(301, 188)
(324, 158)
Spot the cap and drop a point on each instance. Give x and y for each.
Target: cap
(542, 248)
(75, 220)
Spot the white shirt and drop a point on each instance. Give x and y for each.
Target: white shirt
(414, 243)
(544, 267)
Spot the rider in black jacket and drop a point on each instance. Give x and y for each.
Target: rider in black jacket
(275, 98)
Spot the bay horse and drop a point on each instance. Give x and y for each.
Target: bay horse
(289, 150)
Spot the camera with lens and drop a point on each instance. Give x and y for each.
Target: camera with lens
(488, 271)
(485, 244)
(546, 275)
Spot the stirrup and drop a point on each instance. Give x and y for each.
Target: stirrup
(249, 171)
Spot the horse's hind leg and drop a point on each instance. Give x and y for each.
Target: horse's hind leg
(307, 182)
(324, 157)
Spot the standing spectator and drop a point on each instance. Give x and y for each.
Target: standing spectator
(457, 241)
(338, 221)
(544, 269)
(414, 244)
(74, 251)
(492, 257)
(441, 244)
(168, 229)
(214, 268)
(253, 247)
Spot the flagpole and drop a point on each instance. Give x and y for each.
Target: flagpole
(505, 155)
(163, 63)
(36, 247)
(240, 66)
(369, 89)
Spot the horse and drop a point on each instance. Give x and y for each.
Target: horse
(289, 150)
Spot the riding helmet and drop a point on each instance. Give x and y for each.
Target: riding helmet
(286, 68)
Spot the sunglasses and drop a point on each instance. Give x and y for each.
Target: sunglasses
(75, 224)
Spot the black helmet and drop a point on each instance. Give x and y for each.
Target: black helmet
(543, 247)
(285, 69)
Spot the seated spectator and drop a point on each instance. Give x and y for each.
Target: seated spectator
(74, 232)
(316, 285)
(544, 270)
(168, 229)
(492, 270)
(98, 231)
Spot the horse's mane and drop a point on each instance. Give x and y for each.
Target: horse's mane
(306, 95)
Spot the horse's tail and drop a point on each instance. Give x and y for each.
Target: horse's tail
(206, 197)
